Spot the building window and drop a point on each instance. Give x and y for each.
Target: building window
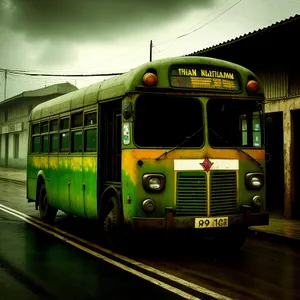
(16, 145)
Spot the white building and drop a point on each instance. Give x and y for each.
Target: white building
(14, 114)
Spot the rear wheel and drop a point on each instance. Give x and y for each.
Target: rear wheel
(47, 212)
(112, 224)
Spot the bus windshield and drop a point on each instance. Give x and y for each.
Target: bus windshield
(234, 123)
(164, 121)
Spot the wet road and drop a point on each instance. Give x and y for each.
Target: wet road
(50, 269)
(262, 270)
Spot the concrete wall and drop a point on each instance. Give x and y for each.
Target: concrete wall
(17, 113)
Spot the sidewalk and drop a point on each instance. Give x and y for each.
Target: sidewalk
(281, 229)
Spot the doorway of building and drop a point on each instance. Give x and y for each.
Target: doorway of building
(296, 155)
(274, 163)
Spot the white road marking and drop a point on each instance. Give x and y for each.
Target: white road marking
(166, 275)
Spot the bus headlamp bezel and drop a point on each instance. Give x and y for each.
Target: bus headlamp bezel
(252, 181)
(147, 184)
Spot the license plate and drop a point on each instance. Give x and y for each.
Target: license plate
(211, 222)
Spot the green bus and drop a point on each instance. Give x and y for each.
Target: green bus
(174, 145)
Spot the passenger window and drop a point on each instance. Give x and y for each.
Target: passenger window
(90, 138)
(77, 120)
(36, 129)
(64, 124)
(45, 127)
(36, 144)
(54, 142)
(64, 142)
(77, 141)
(54, 125)
(45, 143)
(90, 119)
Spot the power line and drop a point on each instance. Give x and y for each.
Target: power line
(36, 74)
(225, 11)
(19, 72)
(202, 26)
(208, 15)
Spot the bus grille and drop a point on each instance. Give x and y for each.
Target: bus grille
(191, 194)
(223, 193)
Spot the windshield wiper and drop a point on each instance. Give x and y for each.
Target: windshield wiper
(174, 148)
(237, 148)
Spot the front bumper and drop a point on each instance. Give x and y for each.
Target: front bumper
(172, 223)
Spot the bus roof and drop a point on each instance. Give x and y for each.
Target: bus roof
(120, 85)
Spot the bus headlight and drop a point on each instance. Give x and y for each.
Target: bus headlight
(154, 182)
(149, 205)
(257, 201)
(254, 181)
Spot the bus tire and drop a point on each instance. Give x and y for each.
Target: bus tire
(112, 223)
(47, 212)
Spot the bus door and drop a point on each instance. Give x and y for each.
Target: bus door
(110, 145)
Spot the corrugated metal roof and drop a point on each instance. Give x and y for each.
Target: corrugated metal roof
(247, 35)
(60, 88)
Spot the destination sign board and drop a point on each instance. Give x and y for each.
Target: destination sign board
(204, 78)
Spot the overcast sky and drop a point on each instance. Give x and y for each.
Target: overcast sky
(105, 36)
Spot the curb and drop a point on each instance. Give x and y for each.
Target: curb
(277, 238)
(22, 182)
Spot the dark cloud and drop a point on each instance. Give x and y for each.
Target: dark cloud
(91, 20)
(56, 54)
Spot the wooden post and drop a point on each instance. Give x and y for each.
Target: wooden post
(287, 161)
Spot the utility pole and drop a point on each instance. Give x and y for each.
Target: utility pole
(151, 50)
(5, 83)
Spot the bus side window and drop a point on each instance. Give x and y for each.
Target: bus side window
(36, 144)
(90, 119)
(45, 143)
(76, 141)
(54, 142)
(76, 120)
(90, 140)
(64, 142)
(54, 125)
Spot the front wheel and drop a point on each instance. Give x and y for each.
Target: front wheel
(112, 224)
(47, 212)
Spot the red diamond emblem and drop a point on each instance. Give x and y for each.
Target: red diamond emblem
(206, 164)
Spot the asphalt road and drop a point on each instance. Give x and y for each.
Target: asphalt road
(47, 266)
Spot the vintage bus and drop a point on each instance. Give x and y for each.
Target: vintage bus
(173, 145)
